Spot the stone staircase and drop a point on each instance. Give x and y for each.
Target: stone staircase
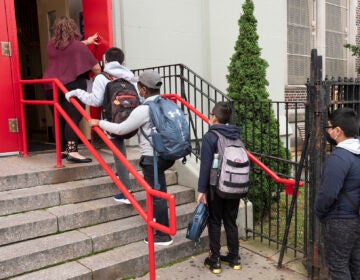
(62, 223)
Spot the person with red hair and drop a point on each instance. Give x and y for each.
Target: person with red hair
(70, 61)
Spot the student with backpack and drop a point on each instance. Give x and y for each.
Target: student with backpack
(144, 117)
(104, 93)
(223, 204)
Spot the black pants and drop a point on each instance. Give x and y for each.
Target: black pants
(160, 205)
(226, 211)
(342, 248)
(66, 132)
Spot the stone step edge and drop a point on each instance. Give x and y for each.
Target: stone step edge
(123, 262)
(47, 173)
(44, 196)
(84, 239)
(67, 217)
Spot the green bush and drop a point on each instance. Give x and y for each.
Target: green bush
(253, 112)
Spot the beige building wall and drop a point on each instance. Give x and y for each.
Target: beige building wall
(200, 34)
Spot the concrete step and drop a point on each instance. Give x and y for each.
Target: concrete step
(42, 252)
(124, 262)
(45, 196)
(39, 169)
(23, 226)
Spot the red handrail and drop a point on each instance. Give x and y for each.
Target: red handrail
(150, 192)
(289, 183)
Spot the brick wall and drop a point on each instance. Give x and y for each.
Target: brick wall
(295, 94)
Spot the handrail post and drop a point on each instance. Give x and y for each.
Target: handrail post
(58, 143)
(151, 246)
(23, 123)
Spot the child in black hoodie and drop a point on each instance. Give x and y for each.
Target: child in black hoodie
(220, 209)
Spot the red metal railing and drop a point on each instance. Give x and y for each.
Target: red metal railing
(288, 183)
(150, 192)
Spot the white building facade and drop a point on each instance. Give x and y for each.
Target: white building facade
(202, 33)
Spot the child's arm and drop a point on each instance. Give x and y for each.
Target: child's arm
(94, 98)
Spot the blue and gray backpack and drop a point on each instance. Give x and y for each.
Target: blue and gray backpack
(170, 135)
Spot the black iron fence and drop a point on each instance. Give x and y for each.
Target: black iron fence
(324, 96)
(269, 225)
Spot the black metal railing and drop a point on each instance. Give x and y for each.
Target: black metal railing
(323, 97)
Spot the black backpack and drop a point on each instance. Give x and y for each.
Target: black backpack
(120, 98)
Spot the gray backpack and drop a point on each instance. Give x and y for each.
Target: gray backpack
(231, 178)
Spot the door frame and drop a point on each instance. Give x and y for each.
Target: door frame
(15, 145)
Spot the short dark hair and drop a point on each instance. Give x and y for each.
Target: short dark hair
(114, 54)
(346, 119)
(222, 111)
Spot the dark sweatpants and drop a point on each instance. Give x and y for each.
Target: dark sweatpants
(160, 205)
(226, 211)
(66, 132)
(342, 248)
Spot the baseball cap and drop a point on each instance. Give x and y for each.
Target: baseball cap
(151, 79)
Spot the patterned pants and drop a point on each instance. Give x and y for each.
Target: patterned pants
(342, 248)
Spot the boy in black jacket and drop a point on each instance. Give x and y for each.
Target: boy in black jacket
(220, 210)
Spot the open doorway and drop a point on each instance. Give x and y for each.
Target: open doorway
(34, 19)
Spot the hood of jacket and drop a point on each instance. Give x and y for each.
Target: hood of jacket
(229, 131)
(117, 70)
(352, 145)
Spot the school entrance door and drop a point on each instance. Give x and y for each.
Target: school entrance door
(23, 56)
(9, 136)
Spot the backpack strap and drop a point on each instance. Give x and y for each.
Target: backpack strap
(109, 76)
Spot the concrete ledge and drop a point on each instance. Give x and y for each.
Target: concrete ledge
(67, 271)
(26, 226)
(28, 199)
(132, 260)
(120, 232)
(34, 254)
(83, 214)
(245, 218)
(45, 196)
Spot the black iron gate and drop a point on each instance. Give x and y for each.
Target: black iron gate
(323, 96)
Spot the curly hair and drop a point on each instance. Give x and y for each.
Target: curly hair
(65, 30)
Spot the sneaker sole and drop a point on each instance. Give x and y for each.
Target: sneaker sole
(234, 267)
(162, 243)
(215, 271)
(125, 201)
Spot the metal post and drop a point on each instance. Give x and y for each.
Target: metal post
(318, 100)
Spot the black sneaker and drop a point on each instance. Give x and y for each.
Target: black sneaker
(163, 240)
(213, 266)
(233, 262)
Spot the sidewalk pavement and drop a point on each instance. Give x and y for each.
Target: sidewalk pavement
(258, 262)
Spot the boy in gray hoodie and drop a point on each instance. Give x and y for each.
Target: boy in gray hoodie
(338, 198)
(114, 60)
